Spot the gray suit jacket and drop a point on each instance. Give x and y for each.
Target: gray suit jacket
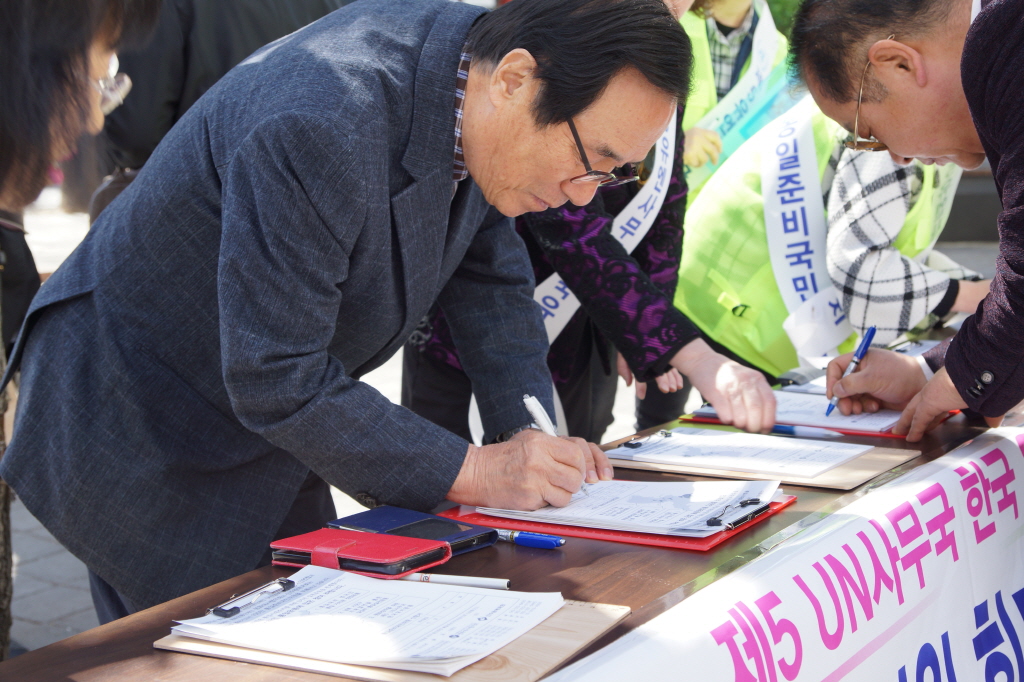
(199, 353)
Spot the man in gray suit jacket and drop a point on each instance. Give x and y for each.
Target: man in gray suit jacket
(190, 374)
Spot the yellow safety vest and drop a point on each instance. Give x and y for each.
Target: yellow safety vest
(703, 94)
(726, 284)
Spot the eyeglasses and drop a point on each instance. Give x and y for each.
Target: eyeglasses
(113, 87)
(855, 141)
(600, 177)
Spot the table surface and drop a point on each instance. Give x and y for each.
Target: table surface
(649, 580)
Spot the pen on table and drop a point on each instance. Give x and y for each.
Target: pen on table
(858, 355)
(459, 580)
(527, 539)
(541, 418)
(805, 431)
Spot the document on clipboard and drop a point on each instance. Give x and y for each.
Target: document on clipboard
(340, 617)
(747, 452)
(695, 509)
(806, 409)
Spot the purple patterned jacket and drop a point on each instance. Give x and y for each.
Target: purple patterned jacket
(626, 298)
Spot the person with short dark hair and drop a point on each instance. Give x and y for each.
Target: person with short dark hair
(942, 82)
(54, 62)
(625, 322)
(190, 375)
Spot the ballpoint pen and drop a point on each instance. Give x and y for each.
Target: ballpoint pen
(458, 580)
(539, 414)
(541, 419)
(858, 355)
(527, 539)
(805, 431)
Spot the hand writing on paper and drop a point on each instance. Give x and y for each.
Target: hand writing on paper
(883, 379)
(701, 146)
(669, 382)
(741, 396)
(528, 472)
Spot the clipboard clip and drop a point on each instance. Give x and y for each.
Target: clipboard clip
(717, 520)
(229, 608)
(638, 442)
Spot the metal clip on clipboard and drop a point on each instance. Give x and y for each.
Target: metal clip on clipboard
(639, 442)
(226, 610)
(732, 525)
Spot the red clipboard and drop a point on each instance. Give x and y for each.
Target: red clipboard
(846, 432)
(470, 515)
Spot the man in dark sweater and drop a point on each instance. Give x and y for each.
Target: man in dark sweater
(941, 81)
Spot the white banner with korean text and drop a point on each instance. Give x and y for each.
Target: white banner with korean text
(921, 580)
(794, 218)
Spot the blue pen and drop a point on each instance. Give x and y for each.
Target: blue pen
(858, 355)
(527, 539)
(805, 431)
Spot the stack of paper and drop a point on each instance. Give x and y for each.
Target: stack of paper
(802, 409)
(711, 449)
(681, 509)
(336, 616)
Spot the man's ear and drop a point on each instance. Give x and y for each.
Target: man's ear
(894, 61)
(512, 78)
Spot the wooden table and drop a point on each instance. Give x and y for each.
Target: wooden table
(647, 579)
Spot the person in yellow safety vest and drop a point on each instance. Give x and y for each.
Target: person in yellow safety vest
(764, 272)
(724, 35)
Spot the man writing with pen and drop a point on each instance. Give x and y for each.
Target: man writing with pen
(190, 375)
(940, 82)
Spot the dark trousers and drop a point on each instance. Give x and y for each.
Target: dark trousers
(437, 391)
(312, 509)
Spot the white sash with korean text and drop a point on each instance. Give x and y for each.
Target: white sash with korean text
(557, 302)
(737, 106)
(794, 218)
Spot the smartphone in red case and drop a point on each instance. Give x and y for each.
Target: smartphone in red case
(373, 554)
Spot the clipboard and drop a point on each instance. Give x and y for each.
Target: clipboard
(470, 515)
(846, 432)
(526, 659)
(846, 476)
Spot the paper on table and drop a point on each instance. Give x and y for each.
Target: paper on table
(802, 409)
(346, 618)
(756, 453)
(672, 508)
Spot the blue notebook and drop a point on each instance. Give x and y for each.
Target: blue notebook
(463, 537)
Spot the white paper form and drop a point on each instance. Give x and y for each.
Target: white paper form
(681, 508)
(802, 409)
(336, 616)
(753, 452)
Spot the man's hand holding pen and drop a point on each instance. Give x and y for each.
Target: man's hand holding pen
(528, 471)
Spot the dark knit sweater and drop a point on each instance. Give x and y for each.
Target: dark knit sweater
(984, 359)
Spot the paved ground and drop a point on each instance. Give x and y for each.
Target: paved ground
(51, 591)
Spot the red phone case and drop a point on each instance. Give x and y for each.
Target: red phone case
(327, 545)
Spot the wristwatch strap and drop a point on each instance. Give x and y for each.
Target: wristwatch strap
(506, 435)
